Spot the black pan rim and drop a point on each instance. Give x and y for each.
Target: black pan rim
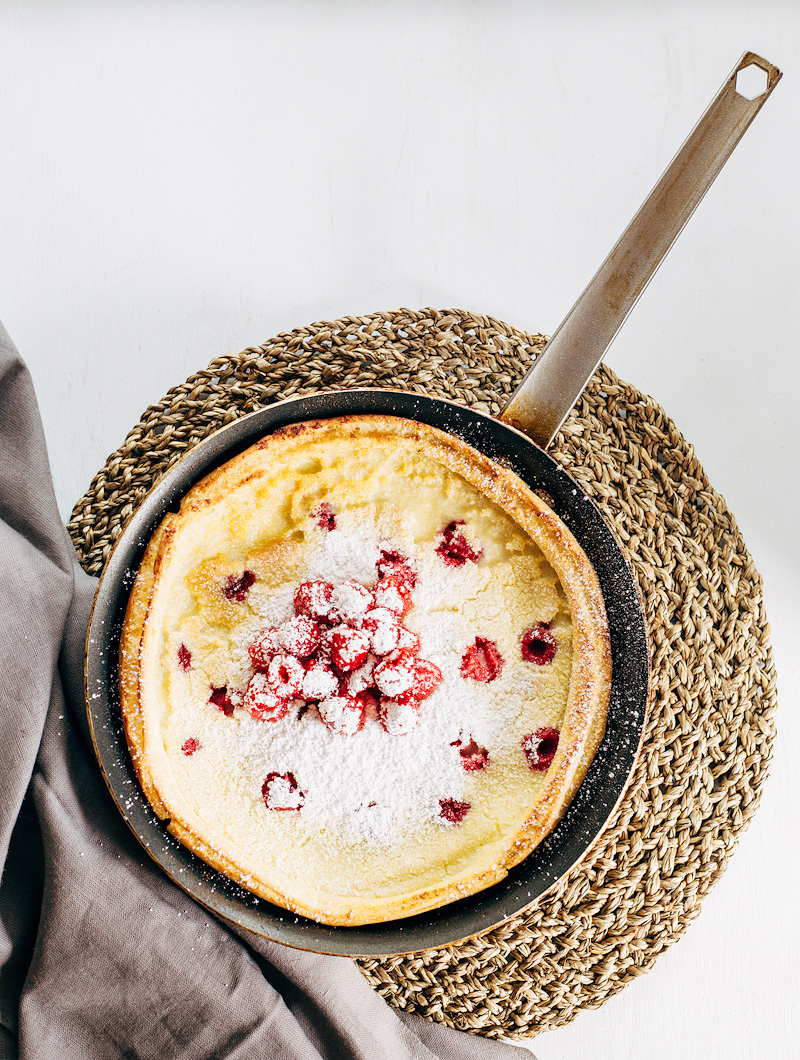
(591, 809)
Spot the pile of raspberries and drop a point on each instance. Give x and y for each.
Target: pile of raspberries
(346, 651)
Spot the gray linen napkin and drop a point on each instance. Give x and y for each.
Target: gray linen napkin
(101, 955)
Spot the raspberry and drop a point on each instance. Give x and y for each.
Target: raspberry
(361, 679)
(377, 615)
(264, 647)
(539, 645)
(343, 714)
(391, 593)
(398, 716)
(482, 661)
(408, 642)
(406, 698)
(221, 700)
(349, 648)
(385, 639)
(540, 748)
(349, 602)
(190, 746)
(453, 546)
(236, 589)
(285, 675)
(280, 791)
(325, 642)
(427, 676)
(184, 658)
(313, 599)
(473, 756)
(453, 811)
(325, 516)
(319, 680)
(299, 636)
(393, 562)
(394, 678)
(262, 701)
(383, 630)
(369, 701)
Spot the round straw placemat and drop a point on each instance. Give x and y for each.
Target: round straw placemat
(709, 735)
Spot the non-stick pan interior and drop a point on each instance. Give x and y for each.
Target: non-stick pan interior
(604, 781)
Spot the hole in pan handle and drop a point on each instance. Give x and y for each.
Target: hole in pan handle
(554, 383)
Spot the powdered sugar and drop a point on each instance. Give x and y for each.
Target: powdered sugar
(385, 637)
(339, 557)
(370, 775)
(398, 719)
(394, 678)
(273, 606)
(282, 792)
(350, 602)
(362, 678)
(320, 681)
(343, 715)
(380, 784)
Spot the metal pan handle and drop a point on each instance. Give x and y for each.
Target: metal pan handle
(551, 387)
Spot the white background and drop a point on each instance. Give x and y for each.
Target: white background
(182, 180)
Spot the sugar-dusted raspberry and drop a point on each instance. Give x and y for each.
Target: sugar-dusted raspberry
(482, 660)
(394, 678)
(350, 601)
(299, 636)
(398, 716)
(266, 644)
(236, 589)
(391, 593)
(393, 562)
(453, 811)
(325, 516)
(349, 648)
(368, 699)
(262, 701)
(539, 645)
(184, 658)
(377, 615)
(407, 642)
(323, 652)
(313, 599)
(473, 756)
(385, 638)
(343, 714)
(221, 700)
(453, 547)
(427, 676)
(383, 629)
(362, 678)
(285, 675)
(280, 791)
(190, 746)
(540, 748)
(319, 680)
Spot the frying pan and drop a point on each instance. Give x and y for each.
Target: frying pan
(517, 440)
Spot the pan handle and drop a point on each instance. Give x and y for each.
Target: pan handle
(554, 383)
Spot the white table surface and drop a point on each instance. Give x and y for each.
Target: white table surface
(184, 180)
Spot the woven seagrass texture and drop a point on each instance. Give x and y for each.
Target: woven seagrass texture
(710, 731)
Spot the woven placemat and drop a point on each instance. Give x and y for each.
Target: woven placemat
(710, 732)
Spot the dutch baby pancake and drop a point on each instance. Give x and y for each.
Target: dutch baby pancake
(363, 669)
